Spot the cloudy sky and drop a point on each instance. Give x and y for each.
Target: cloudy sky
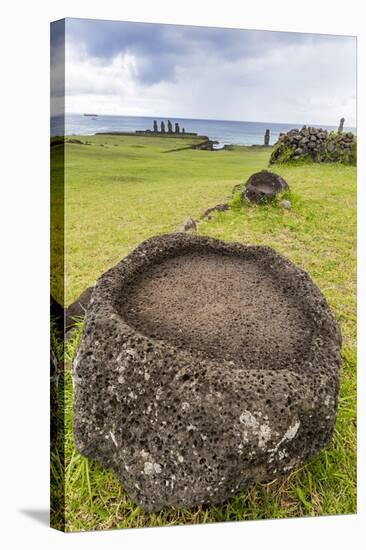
(196, 72)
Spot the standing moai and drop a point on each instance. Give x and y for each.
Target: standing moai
(266, 138)
(183, 130)
(177, 128)
(341, 124)
(155, 126)
(162, 126)
(170, 127)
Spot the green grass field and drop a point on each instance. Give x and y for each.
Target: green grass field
(129, 189)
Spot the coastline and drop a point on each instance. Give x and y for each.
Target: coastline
(226, 132)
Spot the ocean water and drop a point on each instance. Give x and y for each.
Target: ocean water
(224, 131)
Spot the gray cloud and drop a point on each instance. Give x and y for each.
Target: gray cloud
(161, 48)
(211, 72)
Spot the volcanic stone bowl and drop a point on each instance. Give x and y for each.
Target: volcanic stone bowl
(203, 368)
(263, 186)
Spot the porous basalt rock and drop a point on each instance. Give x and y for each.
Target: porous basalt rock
(204, 367)
(263, 187)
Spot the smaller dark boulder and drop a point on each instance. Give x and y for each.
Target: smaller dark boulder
(77, 309)
(76, 141)
(263, 187)
(57, 315)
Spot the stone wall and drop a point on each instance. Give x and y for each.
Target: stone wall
(315, 144)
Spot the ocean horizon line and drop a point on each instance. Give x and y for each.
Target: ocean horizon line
(171, 117)
(225, 132)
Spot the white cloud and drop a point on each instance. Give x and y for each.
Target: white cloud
(312, 82)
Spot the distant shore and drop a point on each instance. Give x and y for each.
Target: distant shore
(225, 132)
(201, 142)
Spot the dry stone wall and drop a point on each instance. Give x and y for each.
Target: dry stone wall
(315, 144)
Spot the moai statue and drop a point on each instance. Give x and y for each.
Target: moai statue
(183, 130)
(266, 138)
(170, 127)
(177, 128)
(162, 126)
(341, 123)
(155, 126)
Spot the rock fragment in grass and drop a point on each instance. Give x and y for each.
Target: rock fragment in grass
(285, 204)
(188, 225)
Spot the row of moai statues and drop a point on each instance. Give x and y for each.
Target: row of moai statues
(170, 127)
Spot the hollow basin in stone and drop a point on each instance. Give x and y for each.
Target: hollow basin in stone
(203, 368)
(263, 186)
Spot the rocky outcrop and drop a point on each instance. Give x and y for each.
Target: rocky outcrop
(263, 186)
(207, 145)
(315, 144)
(203, 368)
(75, 141)
(217, 208)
